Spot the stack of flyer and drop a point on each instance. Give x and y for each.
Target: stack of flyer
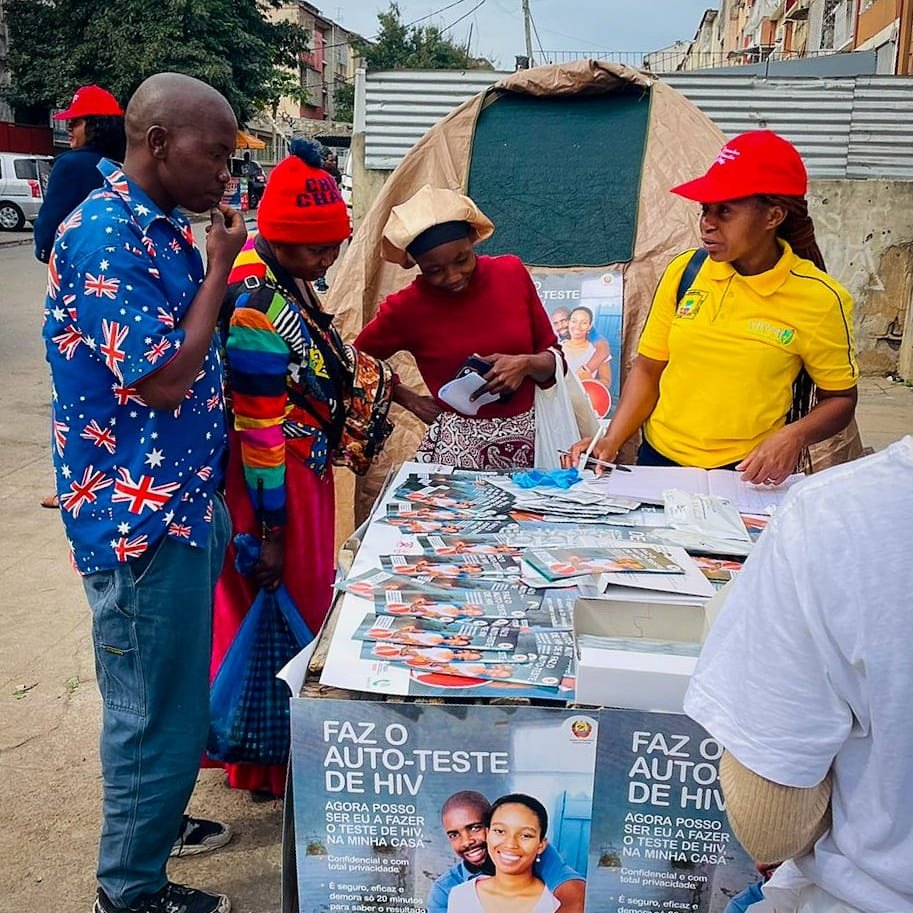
(468, 585)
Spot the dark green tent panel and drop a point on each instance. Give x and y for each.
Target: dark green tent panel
(560, 176)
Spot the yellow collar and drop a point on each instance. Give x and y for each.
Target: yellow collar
(764, 284)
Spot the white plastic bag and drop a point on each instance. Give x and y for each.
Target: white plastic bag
(563, 416)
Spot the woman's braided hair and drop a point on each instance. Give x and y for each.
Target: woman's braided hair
(798, 230)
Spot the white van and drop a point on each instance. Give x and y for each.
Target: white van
(23, 179)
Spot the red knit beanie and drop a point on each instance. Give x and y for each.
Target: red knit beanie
(302, 203)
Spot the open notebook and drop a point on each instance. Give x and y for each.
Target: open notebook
(647, 484)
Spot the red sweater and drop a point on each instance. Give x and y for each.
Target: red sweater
(499, 313)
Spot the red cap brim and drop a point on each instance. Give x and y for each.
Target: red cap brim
(705, 190)
(103, 109)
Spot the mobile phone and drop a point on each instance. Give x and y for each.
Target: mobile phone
(474, 365)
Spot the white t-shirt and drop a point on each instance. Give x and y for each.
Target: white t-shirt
(810, 664)
(465, 899)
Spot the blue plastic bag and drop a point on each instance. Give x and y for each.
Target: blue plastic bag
(249, 706)
(546, 478)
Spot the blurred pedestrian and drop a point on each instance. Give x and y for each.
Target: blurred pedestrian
(95, 124)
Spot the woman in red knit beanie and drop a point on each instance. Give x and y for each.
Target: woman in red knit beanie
(302, 401)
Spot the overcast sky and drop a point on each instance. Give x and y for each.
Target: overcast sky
(563, 25)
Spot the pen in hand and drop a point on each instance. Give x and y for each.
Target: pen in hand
(602, 463)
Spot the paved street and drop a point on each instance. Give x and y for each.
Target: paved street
(49, 705)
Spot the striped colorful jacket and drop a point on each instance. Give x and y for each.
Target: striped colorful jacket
(289, 379)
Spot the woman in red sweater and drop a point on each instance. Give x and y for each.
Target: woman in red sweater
(463, 305)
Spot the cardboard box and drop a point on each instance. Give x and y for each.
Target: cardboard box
(630, 679)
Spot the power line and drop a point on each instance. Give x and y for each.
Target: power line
(464, 16)
(538, 39)
(405, 25)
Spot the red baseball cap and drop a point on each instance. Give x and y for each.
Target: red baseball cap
(91, 101)
(756, 162)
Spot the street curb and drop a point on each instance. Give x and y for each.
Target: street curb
(17, 243)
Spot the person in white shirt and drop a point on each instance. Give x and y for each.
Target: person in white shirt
(806, 679)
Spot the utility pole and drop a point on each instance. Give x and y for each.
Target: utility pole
(905, 39)
(529, 41)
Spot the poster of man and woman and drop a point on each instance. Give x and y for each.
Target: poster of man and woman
(422, 808)
(585, 309)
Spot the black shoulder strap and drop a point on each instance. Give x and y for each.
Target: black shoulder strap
(692, 268)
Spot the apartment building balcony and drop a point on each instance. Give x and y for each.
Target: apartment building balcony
(875, 17)
(797, 10)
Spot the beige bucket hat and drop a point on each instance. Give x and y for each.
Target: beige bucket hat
(429, 206)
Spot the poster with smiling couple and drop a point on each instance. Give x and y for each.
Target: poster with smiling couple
(415, 808)
(585, 308)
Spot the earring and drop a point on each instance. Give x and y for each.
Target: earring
(538, 859)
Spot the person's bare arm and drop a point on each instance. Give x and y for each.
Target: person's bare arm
(420, 405)
(638, 400)
(167, 387)
(509, 371)
(571, 896)
(776, 456)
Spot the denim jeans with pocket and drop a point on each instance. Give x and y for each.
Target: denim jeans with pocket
(152, 630)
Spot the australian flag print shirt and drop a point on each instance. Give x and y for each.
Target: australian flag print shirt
(121, 277)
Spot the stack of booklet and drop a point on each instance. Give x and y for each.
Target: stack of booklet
(466, 583)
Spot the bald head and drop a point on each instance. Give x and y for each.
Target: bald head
(180, 136)
(176, 102)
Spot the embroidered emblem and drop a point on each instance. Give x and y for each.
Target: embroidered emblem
(690, 305)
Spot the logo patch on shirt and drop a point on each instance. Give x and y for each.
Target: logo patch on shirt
(784, 336)
(690, 305)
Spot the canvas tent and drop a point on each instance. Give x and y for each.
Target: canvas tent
(573, 163)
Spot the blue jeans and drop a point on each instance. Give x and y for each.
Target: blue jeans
(152, 630)
(648, 455)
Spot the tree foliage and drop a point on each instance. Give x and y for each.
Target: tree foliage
(344, 101)
(58, 45)
(399, 46)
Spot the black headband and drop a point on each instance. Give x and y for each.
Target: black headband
(436, 235)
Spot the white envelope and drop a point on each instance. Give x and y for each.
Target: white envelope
(456, 394)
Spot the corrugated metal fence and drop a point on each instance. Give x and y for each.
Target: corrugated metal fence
(845, 127)
(401, 105)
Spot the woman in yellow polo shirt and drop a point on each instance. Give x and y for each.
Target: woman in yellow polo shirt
(747, 356)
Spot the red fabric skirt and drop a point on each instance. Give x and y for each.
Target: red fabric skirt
(308, 573)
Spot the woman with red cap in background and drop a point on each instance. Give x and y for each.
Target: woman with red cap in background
(302, 401)
(748, 353)
(95, 124)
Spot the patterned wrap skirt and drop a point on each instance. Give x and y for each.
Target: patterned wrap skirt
(498, 444)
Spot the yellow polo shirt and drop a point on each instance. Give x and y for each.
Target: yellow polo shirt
(734, 345)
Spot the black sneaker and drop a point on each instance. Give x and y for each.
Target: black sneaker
(173, 898)
(200, 836)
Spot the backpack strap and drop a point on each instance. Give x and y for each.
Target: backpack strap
(692, 268)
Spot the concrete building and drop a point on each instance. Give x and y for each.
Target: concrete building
(744, 32)
(329, 63)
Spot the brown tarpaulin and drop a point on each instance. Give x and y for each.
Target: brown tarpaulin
(681, 143)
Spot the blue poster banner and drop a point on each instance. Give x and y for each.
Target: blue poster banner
(419, 808)
(585, 308)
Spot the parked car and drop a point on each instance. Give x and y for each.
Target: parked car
(23, 179)
(256, 179)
